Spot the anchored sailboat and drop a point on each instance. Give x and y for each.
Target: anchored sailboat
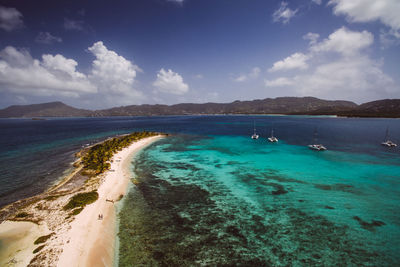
(272, 138)
(315, 146)
(387, 142)
(255, 135)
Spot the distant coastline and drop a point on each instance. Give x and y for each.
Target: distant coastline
(387, 108)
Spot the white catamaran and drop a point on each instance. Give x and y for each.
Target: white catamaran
(315, 146)
(255, 135)
(272, 139)
(387, 142)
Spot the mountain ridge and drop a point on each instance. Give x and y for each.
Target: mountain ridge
(279, 105)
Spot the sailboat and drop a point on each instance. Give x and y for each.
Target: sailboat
(272, 138)
(255, 135)
(315, 146)
(387, 142)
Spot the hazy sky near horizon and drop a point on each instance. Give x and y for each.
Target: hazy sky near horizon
(98, 54)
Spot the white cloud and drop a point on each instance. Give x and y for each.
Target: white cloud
(281, 81)
(345, 42)
(113, 74)
(10, 19)
(295, 61)
(283, 13)
(253, 74)
(53, 75)
(199, 76)
(47, 38)
(311, 37)
(74, 25)
(170, 82)
(350, 73)
(387, 11)
(318, 2)
(59, 63)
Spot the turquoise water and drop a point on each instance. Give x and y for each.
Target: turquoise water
(229, 200)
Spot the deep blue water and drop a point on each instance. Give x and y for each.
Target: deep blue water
(212, 196)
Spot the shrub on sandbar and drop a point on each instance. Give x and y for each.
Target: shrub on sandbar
(42, 239)
(22, 215)
(81, 200)
(39, 248)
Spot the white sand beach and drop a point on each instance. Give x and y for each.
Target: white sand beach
(90, 240)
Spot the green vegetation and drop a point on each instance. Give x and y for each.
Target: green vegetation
(39, 248)
(42, 239)
(77, 211)
(22, 215)
(53, 197)
(81, 200)
(98, 157)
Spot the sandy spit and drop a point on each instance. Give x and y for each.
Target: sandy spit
(91, 241)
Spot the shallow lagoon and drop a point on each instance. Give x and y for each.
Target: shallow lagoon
(230, 200)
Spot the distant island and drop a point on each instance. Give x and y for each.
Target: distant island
(388, 108)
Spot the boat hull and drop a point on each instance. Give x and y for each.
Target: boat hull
(317, 147)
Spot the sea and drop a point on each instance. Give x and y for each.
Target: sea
(209, 195)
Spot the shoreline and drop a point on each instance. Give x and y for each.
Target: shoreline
(74, 240)
(95, 249)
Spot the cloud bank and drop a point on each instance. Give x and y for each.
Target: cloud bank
(113, 74)
(385, 11)
(338, 66)
(109, 82)
(50, 76)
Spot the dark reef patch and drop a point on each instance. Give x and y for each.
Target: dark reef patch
(369, 226)
(276, 177)
(223, 150)
(337, 187)
(279, 189)
(183, 166)
(181, 143)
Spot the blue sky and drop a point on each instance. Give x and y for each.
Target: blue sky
(97, 54)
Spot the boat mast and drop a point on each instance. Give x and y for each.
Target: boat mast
(387, 134)
(315, 135)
